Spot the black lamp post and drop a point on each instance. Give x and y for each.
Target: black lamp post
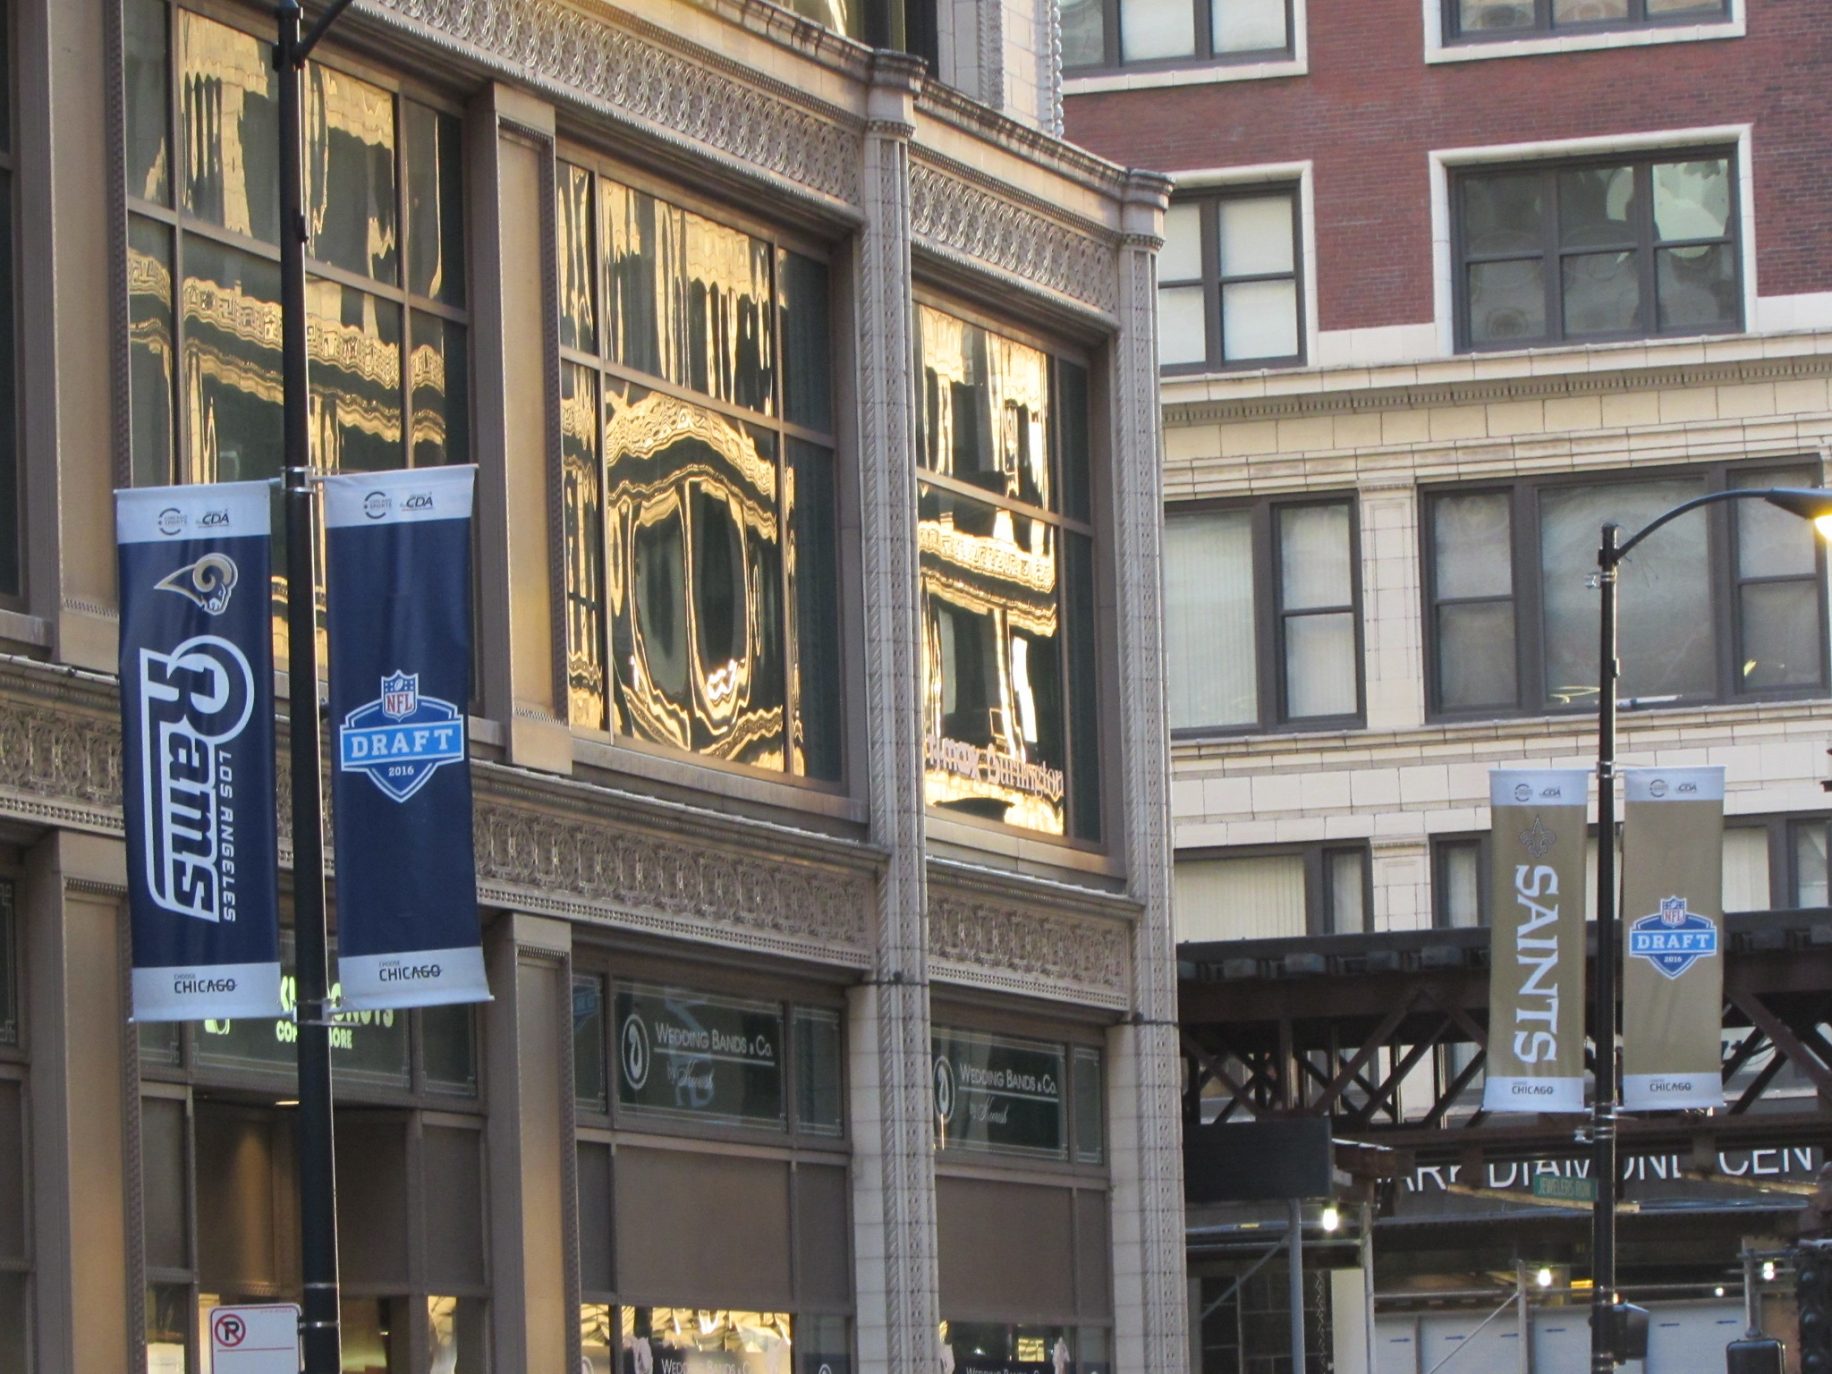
(1811, 503)
(318, 1317)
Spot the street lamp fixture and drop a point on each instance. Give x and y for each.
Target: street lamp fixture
(1332, 1218)
(1809, 503)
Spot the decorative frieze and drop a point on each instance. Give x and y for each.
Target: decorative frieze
(60, 765)
(956, 216)
(682, 95)
(1015, 948)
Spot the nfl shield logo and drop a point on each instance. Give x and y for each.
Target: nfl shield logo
(400, 695)
(1673, 911)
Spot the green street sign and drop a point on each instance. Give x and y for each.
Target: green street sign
(1558, 1188)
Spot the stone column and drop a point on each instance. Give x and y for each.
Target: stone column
(84, 1281)
(529, 1179)
(1392, 645)
(1143, 1099)
(894, 1251)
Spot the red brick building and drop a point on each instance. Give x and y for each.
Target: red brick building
(1446, 284)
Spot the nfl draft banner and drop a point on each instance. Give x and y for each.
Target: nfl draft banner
(1672, 935)
(197, 750)
(1536, 962)
(398, 597)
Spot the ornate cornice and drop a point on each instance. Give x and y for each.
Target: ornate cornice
(1013, 947)
(678, 93)
(955, 214)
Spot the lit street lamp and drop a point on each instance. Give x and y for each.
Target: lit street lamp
(1810, 503)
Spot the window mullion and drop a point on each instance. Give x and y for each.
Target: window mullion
(1555, 266)
(1645, 234)
(1215, 345)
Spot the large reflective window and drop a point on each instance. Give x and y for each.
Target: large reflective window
(699, 501)
(1009, 728)
(387, 339)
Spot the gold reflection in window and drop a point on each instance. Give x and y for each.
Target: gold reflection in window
(353, 344)
(582, 507)
(230, 115)
(994, 737)
(694, 584)
(763, 1341)
(350, 163)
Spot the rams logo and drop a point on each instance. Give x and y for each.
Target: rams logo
(206, 583)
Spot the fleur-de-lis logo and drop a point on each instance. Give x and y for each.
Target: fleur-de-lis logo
(1538, 840)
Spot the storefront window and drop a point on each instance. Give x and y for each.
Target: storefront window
(997, 1095)
(1009, 719)
(699, 516)
(1001, 1348)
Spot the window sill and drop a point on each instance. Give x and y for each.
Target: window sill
(600, 753)
(1148, 79)
(1542, 45)
(1031, 852)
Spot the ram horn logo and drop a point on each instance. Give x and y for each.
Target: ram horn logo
(207, 582)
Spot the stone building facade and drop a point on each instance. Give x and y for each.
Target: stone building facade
(813, 397)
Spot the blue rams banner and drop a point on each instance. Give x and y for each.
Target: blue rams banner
(398, 591)
(197, 748)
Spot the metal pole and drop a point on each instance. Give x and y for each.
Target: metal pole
(1603, 1011)
(317, 1167)
(1520, 1317)
(1367, 1281)
(1294, 1239)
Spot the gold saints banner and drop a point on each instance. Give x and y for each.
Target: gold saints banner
(1536, 963)
(1672, 935)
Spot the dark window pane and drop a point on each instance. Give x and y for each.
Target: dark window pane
(820, 1091)
(231, 364)
(1596, 207)
(1602, 293)
(1090, 1107)
(807, 357)
(1666, 637)
(147, 82)
(984, 402)
(692, 509)
(149, 349)
(814, 592)
(1084, 718)
(1475, 652)
(10, 553)
(439, 374)
(354, 348)
(1083, 33)
(435, 203)
(1697, 287)
(350, 160)
(161, 1042)
(578, 313)
(231, 128)
(448, 1049)
(1692, 199)
(1347, 911)
(1470, 541)
(1781, 634)
(1503, 214)
(589, 1079)
(582, 506)
(992, 704)
(842, 16)
(1507, 302)
(1072, 422)
(1459, 895)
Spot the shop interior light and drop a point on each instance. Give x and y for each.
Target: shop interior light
(1331, 1217)
(1718, 1291)
(1768, 1271)
(1544, 1277)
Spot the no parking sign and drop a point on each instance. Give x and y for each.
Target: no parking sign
(258, 1339)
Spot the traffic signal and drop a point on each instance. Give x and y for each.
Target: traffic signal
(1628, 1332)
